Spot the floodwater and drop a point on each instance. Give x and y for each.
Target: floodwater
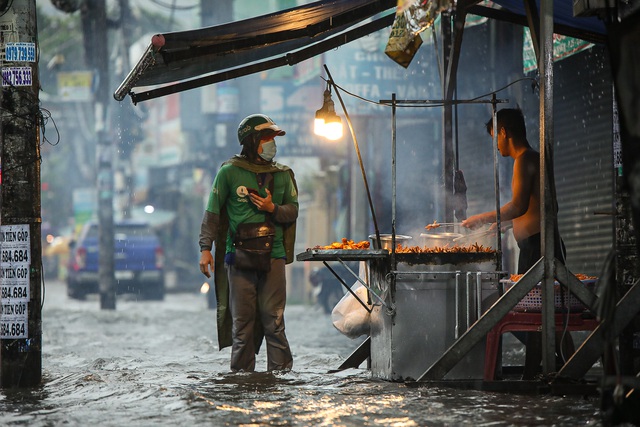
(157, 364)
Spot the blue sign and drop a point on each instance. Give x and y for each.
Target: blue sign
(17, 76)
(20, 52)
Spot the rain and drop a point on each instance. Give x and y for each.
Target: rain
(155, 360)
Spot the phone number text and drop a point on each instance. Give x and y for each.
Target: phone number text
(25, 52)
(14, 292)
(13, 330)
(18, 255)
(17, 76)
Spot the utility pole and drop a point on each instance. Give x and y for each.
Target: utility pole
(20, 232)
(94, 21)
(129, 129)
(105, 155)
(215, 13)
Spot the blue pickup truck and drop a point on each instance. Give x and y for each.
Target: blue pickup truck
(138, 258)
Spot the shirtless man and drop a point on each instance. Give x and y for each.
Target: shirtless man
(522, 211)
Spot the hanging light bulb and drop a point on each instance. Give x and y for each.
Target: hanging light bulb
(318, 122)
(332, 127)
(327, 123)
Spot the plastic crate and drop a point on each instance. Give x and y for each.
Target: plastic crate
(532, 302)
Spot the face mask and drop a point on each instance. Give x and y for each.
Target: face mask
(268, 150)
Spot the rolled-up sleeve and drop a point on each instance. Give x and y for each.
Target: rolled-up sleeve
(287, 211)
(208, 230)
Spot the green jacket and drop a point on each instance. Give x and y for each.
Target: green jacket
(224, 320)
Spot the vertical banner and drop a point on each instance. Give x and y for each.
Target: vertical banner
(15, 250)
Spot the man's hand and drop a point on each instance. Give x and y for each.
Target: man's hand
(504, 226)
(263, 203)
(206, 263)
(473, 222)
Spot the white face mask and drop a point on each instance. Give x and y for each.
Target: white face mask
(268, 150)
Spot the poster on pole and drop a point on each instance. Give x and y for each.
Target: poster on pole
(15, 260)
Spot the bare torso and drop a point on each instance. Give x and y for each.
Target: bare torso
(526, 181)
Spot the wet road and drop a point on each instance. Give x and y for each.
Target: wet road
(157, 364)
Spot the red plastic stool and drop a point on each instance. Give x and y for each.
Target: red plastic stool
(527, 322)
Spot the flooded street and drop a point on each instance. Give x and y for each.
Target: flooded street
(157, 363)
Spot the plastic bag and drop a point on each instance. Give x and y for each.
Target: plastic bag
(402, 45)
(349, 316)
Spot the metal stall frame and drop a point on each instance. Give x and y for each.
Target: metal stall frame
(547, 268)
(395, 103)
(393, 273)
(467, 292)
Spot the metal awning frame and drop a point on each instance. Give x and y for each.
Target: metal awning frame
(288, 59)
(321, 35)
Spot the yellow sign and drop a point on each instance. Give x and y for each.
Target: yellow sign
(75, 85)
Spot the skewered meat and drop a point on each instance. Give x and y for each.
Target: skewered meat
(433, 225)
(345, 244)
(443, 249)
(515, 277)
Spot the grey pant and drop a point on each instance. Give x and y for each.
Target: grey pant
(268, 292)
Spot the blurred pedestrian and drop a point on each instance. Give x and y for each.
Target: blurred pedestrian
(251, 218)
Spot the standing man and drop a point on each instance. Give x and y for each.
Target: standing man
(522, 212)
(251, 217)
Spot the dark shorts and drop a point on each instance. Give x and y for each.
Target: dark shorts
(530, 252)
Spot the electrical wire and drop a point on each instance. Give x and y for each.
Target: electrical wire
(434, 104)
(173, 6)
(536, 84)
(45, 116)
(42, 297)
(6, 9)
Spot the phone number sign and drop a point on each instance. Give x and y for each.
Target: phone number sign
(15, 251)
(17, 76)
(20, 52)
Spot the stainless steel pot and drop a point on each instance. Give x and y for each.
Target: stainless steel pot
(431, 240)
(486, 238)
(385, 240)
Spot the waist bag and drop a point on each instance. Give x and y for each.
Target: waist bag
(253, 243)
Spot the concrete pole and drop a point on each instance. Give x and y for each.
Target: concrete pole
(215, 13)
(20, 232)
(94, 17)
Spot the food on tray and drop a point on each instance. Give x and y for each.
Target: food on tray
(346, 244)
(433, 225)
(443, 249)
(579, 276)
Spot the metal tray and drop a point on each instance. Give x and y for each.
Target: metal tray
(439, 258)
(342, 254)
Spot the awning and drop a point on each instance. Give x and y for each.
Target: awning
(298, 34)
(179, 61)
(589, 28)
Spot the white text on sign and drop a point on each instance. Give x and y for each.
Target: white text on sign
(20, 52)
(16, 76)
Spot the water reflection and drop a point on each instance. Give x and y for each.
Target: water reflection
(156, 363)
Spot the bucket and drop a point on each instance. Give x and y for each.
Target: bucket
(385, 240)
